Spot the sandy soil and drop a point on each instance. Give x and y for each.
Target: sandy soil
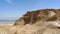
(6, 23)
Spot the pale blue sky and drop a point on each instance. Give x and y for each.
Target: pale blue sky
(12, 9)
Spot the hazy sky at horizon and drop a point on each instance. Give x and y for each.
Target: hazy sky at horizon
(12, 9)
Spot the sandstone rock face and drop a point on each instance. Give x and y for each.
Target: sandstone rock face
(19, 22)
(39, 15)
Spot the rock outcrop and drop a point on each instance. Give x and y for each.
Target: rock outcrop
(39, 15)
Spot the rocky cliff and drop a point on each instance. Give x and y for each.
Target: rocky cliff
(39, 15)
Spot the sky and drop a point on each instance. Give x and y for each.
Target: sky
(14, 9)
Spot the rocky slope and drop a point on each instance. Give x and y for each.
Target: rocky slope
(45, 21)
(39, 15)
